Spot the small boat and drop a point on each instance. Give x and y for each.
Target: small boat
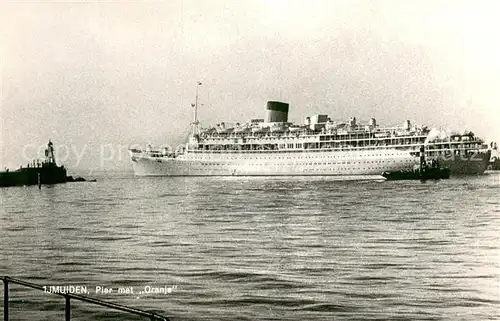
(428, 173)
(424, 172)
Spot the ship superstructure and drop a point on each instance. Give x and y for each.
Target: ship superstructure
(495, 157)
(319, 146)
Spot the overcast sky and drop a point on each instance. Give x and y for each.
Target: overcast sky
(88, 75)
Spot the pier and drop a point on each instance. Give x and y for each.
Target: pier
(68, 296)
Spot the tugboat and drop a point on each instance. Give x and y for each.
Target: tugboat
(36, 173)
(423, 172)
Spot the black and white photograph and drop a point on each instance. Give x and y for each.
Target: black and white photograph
(259, 160)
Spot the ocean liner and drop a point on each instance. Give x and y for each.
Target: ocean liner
(318, 147)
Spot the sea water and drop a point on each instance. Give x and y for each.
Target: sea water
(262, 248)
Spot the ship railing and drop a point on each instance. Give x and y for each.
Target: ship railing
(298, 150)
(68, 296)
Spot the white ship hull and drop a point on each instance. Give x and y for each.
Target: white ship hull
(345, 163)
(317, 163)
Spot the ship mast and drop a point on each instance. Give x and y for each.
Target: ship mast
(195, 105)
